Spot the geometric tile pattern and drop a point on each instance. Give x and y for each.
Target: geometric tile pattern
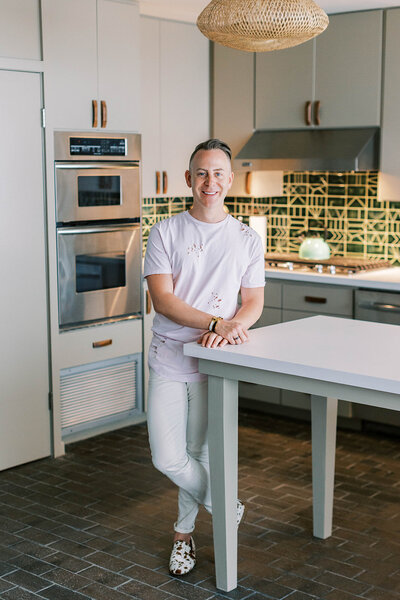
(342, 206)
(97, 523)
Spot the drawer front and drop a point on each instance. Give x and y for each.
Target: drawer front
(102, 342)
(272, 293)
(380, 307)
(318, 299)
(292, 315)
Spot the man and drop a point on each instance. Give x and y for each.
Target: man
(196, 263)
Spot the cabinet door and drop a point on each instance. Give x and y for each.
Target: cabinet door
(118, 63)
(389, 176)
(70, 52)
(348, 70)
(150, 103)
(20, 29)
(284, 83)
(185, 100)
(233, 96)
(24, 412)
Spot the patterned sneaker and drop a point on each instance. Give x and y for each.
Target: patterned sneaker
(240, 509)
(183, 557)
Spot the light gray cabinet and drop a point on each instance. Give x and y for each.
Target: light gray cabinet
(91, 49)
(271, 315)
(287, 301)
(174, 102)
(337, 76)
(24, 370)
(318, 299)
(233, 97)
(389, 176)
(283, 85)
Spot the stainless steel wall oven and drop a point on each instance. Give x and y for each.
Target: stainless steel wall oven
(97, 182)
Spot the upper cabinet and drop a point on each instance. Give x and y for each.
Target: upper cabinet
(233, 98)
(20, 29)
(175, 95)
(389, 176)
(91, 51)
(332, 81)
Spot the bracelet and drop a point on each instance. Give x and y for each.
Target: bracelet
(213, 323)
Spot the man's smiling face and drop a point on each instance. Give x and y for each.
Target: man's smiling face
(210, 178)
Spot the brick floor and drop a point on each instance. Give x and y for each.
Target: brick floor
(96, 523)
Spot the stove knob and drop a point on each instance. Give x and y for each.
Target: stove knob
(332, 269)
(319, 268)
(289, 266)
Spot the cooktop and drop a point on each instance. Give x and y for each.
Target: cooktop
(334, 265)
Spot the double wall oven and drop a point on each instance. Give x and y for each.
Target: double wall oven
(97, 179)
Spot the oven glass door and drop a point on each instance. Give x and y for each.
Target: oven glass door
(103, 191)
(99, 272)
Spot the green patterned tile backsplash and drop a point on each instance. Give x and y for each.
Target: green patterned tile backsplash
(343, 204)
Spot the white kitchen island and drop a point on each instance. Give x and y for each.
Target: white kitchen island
(326, 357)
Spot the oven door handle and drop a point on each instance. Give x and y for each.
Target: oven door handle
(103, 165)
(99, 229)
(382, 306)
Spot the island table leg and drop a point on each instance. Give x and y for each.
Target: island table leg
(323, 436)
(223, 448)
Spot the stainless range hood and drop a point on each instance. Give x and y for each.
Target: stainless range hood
(310, 150)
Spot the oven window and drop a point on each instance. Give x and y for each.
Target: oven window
(99, 190)
(100, 271)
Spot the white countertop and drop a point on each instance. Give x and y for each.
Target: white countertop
(384, 279)
(323, 348)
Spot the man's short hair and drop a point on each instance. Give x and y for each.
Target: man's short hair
(212, 144)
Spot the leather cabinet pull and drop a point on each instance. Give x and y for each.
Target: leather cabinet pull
(94, 113)
(101, 343)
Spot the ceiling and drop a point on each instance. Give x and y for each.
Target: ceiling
(188, 10)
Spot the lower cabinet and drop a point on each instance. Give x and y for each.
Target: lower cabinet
(271, 315)
(287, 302)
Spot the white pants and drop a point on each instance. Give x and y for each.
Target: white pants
(177, 416)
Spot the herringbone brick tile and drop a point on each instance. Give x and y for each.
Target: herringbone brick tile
(97, 523)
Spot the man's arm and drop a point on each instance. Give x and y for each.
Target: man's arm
(233, 331)
(252, 306)
(166, 303)
(247, 315)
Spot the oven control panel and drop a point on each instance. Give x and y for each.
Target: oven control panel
(90, 146)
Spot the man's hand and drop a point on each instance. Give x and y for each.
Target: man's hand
(209, 339)
(232, 331)
(226, 332)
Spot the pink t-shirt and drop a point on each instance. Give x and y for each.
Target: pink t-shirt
(209, 263)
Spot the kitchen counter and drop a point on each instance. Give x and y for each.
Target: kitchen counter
(384, 279)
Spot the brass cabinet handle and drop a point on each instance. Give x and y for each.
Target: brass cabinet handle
(249, 177)
(317, 106)
(315, 299)
(164, 182)
(102, 343)
(148, 302)
(94, 113)
(307, 113)
(158, 182)
(103, 105)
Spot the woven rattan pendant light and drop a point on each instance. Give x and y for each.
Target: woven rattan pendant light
(261, 25)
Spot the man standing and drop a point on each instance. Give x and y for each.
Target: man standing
(196, 263)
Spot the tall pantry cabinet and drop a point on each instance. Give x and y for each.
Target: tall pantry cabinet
(24, 364)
